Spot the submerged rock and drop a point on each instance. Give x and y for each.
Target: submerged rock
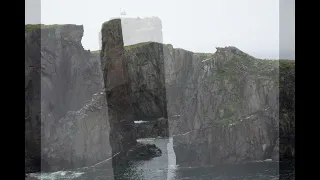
(144, 152)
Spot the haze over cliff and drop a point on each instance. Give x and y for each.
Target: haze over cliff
(219, 108)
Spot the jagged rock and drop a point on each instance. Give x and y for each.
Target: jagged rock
(227, 107)
(32, 101)
(144, 152)
(73, 124)
(118, 87)
(222, 107)
(287, 110)
(216, 102)
(146, 70)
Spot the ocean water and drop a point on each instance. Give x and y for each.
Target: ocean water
(165, 168)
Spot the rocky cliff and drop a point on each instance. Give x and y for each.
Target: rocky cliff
(146, 68)
(287, 109)
(222, 107)
(74, 118)
(118, 91)
(32, 101)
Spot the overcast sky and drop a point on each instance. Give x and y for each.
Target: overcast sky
(254, 26)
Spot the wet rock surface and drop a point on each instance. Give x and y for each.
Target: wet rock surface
(144, 152)
(152, 129)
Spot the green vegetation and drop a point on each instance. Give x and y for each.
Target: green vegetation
(203, 56)
(31, 27)
(170, 46)
(231, 72)
(96, 52)
(130, 47)
(242, 64)
(246, 63)
(287, 64)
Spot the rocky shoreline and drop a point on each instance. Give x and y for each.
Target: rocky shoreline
(219, 108)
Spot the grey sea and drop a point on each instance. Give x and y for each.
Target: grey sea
(164, 168)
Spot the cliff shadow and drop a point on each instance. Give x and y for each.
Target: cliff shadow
(32, 102)
(135, 88)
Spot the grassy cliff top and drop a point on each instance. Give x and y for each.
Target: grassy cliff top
(31, 27)
(130, 47)
(204, 56)
(96, 52)
(111, 22)
(284, 63)
(240, 57)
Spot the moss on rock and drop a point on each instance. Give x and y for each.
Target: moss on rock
(96, 52)
(32, 27)
(134, 46)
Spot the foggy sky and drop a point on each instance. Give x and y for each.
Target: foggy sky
(257, 27)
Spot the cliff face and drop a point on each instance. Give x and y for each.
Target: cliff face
(221, 108)
(74, 118)
(287, 109)
(66, 70)
(118, 87)
(226, 110)
(146, 69)
(32, 101)
(224, 106)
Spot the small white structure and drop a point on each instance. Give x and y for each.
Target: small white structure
(122, 13)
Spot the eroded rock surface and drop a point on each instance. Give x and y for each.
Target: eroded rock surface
(32, 101)
(226, 110)
(220, 108)
(74, 120)
(118, 87)
(146, 69)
